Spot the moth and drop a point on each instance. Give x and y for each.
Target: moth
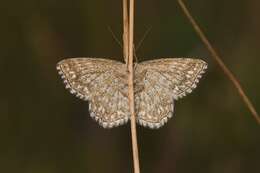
(157, 84)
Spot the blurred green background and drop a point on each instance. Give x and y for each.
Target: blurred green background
(45, 129)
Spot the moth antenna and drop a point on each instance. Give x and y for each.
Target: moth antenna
(143, 38)
(136, 59)
(114, 37)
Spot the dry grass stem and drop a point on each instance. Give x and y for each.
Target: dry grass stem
(128, 38)
(219, 61)
(125, 30)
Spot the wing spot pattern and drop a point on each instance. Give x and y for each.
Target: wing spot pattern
(157, 84)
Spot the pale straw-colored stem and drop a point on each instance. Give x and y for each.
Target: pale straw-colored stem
(219, 61)
(125, 30)
(130, 47)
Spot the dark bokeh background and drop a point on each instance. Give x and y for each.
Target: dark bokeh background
(44, 129)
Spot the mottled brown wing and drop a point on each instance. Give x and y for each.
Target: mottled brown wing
(159, 82)
(103, 83)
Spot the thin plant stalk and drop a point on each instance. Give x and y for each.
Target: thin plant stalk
(130, 47)
(125, 31)
(219, 61)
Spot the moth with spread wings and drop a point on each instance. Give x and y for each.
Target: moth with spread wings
(157, 83)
